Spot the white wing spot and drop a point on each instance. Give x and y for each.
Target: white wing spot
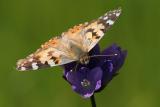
(34, 66)
(51, 63)
(105, 18)
(110, 14)
(117, 14)
(110, 22)
(23, 68)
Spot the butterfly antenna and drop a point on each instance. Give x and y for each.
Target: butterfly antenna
(103, 55)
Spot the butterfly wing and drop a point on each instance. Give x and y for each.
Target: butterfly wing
(54, 52)
(70, 45)
(95, 30)
(86, 36)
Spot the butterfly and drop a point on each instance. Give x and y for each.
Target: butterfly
(72, 45)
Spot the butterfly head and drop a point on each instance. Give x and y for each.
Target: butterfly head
(84, 58)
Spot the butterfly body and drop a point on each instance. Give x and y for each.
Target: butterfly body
(72, 45)
(84, 58)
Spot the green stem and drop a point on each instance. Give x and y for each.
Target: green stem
(93, 101)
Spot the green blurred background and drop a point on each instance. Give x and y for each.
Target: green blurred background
(25, 24)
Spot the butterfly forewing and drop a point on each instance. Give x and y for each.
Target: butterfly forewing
(52, 53)
(95, 30)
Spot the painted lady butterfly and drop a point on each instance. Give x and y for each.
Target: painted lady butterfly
(72, 45)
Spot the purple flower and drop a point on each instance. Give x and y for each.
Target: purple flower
(93, 77)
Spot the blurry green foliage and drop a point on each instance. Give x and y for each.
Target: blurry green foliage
(25, 24)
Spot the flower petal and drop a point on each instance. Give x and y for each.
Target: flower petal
(85, 81)
(111, 65)
(116, 60)
(93, 77)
